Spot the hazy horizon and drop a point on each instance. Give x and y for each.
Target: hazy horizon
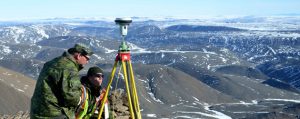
(35, 9)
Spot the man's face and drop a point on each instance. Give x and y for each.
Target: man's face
(96, 79)
(82, 59)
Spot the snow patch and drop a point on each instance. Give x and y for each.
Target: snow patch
(207, 52)
(217, 114)
(273, 51)
(136, 49)
(224, 60)
(147, 100)
(6, 73)
(184, 117)
(208, 67)
(98, 57)
(174, 61)
(151, 115)
(248, 112)
(177, 104)
(61, 40)
(155, 99)
(41, 31)
(142, 80)
(195, 56)
(162, 55)
(6, 50)
(254, 102)
(286, 100)
(109, 50)
(196, 98)
(19, 90)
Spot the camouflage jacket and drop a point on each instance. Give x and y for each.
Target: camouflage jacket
(58, 89)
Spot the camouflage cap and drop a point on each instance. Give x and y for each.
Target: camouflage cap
(94, 70)
(81, 48)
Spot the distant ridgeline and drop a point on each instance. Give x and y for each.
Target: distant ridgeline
(194, 28)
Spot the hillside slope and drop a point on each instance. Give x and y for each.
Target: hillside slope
(16, 90)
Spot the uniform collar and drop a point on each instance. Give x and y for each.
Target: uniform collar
(70, 57)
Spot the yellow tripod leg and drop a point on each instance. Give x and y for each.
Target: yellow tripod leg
(136, 99)
(107, 89)
(128, 90)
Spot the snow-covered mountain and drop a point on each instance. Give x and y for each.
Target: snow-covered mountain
(31, 33)
(185, 68)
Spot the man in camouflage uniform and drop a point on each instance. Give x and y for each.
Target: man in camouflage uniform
(58, 88)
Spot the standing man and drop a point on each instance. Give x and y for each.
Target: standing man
(58, 88)
(92, 95)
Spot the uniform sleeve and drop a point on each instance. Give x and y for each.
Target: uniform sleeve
(71, 88)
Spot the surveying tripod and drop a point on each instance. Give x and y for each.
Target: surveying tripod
(123, 58)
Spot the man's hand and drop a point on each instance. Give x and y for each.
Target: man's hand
(102, 93)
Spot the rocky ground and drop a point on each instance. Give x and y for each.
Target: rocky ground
(19, 115)
(119, 104)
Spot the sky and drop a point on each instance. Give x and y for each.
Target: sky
(27, 9)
